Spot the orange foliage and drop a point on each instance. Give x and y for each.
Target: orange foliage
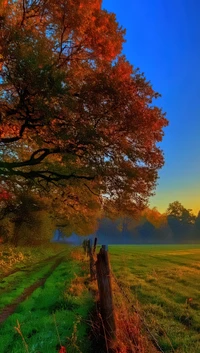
(155, 217)
(74, 113)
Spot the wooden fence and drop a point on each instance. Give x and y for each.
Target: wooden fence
(100, 270)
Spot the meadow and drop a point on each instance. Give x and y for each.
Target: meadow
(53, 312)
(159, 283)
(162, 283)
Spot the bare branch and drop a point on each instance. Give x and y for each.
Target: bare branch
(91, 190)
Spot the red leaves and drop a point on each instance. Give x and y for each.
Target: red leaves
(77, 97)
(62, 350)
(4, 195)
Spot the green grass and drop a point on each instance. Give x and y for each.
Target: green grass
(12, 258)
(161, 281)
(164, 282)
(14, 285)
(51, 315)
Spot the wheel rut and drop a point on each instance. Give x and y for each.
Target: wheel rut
(32, 266)
(10, 309)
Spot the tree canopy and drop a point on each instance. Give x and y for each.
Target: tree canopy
(178, 211)
(76, 117)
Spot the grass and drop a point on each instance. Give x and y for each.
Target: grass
(163, 281)
(13, 286)
(12, 258)
(55, 314)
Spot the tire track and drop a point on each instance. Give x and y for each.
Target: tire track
(32, 266)
(10, 309)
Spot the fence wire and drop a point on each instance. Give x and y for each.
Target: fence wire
(124, 294)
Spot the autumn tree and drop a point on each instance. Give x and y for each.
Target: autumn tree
(76, 117)
(154, 217)
(22, 210)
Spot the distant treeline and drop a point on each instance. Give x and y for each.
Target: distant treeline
(177, 225)
(27, 219)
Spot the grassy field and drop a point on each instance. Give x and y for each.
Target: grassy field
(160, 282)
(163, 284)
(52, 315)
(13, 259)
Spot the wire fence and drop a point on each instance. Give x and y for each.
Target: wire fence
(126, 297)
(141, 317)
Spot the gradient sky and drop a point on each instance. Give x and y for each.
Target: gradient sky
(163, 40)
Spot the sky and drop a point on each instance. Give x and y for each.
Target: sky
(163, 40)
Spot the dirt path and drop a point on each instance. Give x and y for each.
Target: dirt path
(31, 266)
(10, 309)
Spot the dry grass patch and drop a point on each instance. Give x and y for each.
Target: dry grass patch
(78, 255)
(77, 286)
(130, 335)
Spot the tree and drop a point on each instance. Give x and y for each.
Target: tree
(197, 227)
(177, 210)
(23, 211)
(76, 117)
(154, 217)
(180, 220)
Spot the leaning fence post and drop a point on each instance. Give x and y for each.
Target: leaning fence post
(105, 294)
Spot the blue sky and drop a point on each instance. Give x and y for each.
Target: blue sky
(163, 40)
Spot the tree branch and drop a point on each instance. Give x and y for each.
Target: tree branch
(94, 193)
(33, 160)
(48, 176)
(24, 13)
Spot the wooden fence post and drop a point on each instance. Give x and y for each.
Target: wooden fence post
(88, 247)
(105, 293)
(92, 262)
(84, 244)
(95, 245)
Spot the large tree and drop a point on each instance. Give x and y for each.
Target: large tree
(75, 115)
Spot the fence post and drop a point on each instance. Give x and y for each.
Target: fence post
(88, 247)
(84, 244)
(95, 245)
(92, 262)
(105, 293)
